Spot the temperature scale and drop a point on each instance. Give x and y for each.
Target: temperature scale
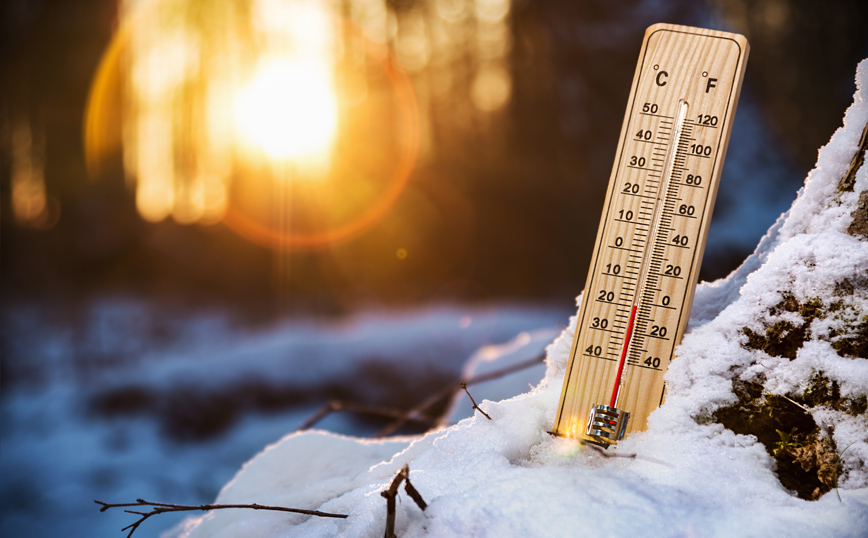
(652, 233)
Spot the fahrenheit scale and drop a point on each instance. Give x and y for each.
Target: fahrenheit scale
(652, 233)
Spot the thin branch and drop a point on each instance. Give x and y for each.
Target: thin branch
(366, 409)
(391, 494)
(415, 414)
(414, 493)
(848, 182)
(165, 508)
(601, 450)
(497, 374)
(320, 414)
(464, 386)
(418, 409)
(451, 388)
(797, 404)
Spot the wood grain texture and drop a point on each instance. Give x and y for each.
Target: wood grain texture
(655, 221)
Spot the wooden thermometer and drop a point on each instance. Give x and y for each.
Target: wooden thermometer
(652, 233)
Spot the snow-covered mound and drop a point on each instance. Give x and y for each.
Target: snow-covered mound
(134, 399)
(784, 329)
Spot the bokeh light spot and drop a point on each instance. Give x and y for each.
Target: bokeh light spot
(491, 88)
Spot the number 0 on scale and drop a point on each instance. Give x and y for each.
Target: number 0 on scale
(652, 233)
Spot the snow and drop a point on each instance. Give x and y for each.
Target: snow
(59, 453)
(688, 477)
(489, 359)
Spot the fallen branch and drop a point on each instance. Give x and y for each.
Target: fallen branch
(450, 389)
(365, 409)
(602, 451)
(464, 386)
(164, 508)
(415, 414)
(392, 493)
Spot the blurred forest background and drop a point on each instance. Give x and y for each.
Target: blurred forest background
(520, 105)
(217, 215)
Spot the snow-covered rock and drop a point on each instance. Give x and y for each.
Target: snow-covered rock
(687, 475)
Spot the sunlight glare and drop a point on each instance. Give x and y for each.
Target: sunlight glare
(288, 110)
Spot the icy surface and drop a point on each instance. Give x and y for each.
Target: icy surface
(689, 477)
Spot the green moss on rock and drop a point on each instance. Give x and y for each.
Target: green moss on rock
(784, 339)
(854, 344)
(807, 461)
(824, 392)
(806, 457)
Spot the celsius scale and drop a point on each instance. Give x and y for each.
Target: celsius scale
(653, 229)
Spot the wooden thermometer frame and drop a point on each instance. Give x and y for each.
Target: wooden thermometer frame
(652, 232)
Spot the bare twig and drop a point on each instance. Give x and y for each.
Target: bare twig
(451, 388)
(417, 413)
(497, 374)
(848, 182)
(601, 451)
(366, 409)
(417, 410)
(797, 404)
(414, 493)
(165, 508)
(392, 493)
(464, 386)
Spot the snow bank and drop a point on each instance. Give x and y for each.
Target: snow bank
(87, 409)
(690, 476)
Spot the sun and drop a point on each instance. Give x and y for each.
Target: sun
(288, 110)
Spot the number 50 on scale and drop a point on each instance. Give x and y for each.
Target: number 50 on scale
(652, 233)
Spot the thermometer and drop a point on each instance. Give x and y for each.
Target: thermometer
(653, 229)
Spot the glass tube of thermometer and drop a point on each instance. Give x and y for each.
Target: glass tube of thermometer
(652, 232)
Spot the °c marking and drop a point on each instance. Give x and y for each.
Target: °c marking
(661, 77)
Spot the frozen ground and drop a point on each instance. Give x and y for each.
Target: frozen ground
(690, 476)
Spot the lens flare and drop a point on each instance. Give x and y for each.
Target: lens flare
(226, 113)
(288, 110)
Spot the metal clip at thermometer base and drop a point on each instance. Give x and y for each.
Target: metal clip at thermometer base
(652, 233)
(606, 424)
